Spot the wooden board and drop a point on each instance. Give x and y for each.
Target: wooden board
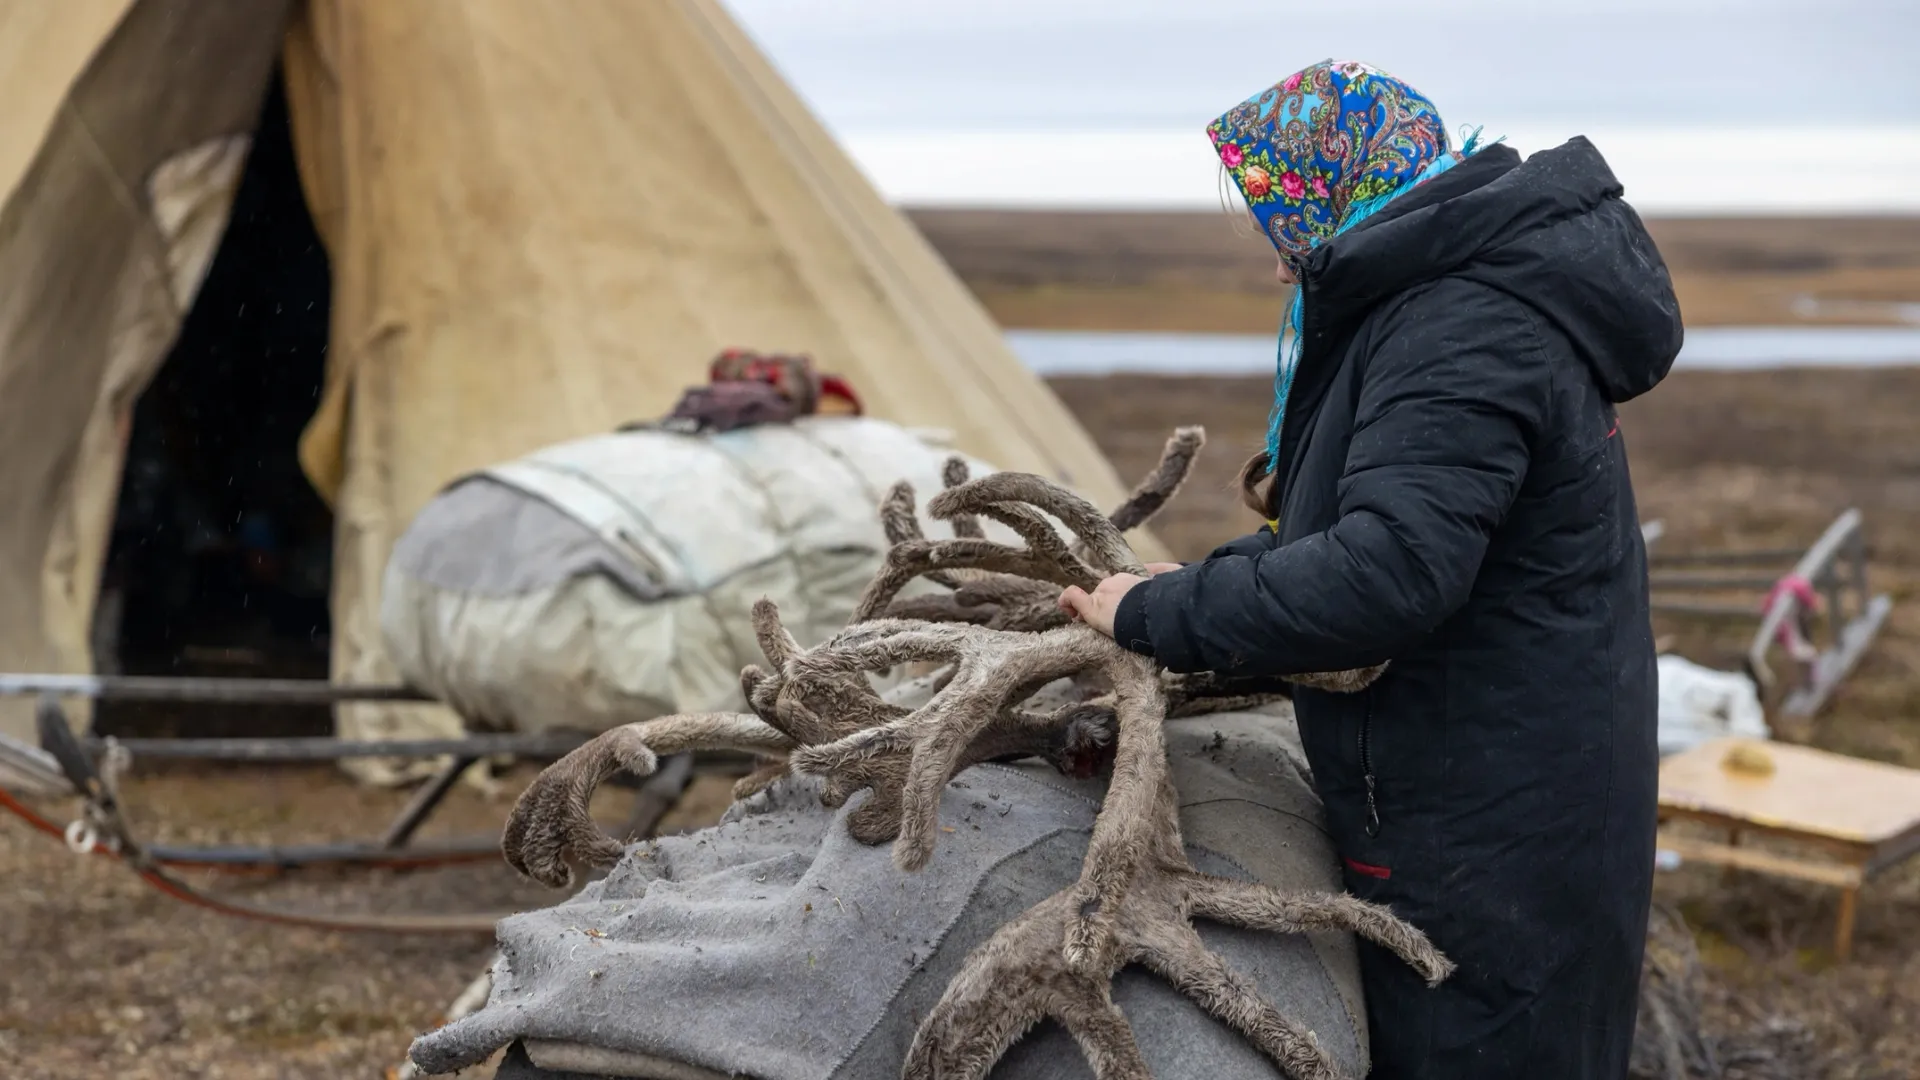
(1811, 792)
(1821, 872)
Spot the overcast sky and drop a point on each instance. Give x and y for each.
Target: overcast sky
(1729, 104)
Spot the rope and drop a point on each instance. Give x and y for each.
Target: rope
(1790, 635)
(267, 860)
(393, 924)
(86, 841)
(100, 831)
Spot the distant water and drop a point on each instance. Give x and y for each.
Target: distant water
(1722, 348)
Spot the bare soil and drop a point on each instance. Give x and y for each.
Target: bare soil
(104, 977)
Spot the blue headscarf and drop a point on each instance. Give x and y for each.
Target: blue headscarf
(1315, 155)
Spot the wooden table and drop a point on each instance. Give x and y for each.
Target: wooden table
(1855, 818)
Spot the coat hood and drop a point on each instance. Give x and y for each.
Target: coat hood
(1552, 231)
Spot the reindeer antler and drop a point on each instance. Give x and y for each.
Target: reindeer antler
(1045, 560)
(551, 822)
(1019, 976)
(1020, 588)
(999, 637)
(1158, 487)
(1012, 600)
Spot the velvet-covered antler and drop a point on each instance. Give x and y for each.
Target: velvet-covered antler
(997, 637)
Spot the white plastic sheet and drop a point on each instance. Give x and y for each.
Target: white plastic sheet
(1698, 704)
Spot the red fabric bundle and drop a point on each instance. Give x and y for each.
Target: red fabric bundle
(746, 388)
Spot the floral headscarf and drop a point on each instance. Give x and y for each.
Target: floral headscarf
(1316, 154)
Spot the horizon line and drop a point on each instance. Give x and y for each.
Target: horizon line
(1667, 171)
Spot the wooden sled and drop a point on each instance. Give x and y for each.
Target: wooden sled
(1705, 585)
(85, 768)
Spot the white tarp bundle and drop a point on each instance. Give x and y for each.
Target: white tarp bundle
(1698, 704)
(610, 579)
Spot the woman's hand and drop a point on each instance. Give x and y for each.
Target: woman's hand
(1098, 607)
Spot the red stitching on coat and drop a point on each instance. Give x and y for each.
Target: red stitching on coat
(1381, 872)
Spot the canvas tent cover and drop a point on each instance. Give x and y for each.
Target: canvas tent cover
(541, 219)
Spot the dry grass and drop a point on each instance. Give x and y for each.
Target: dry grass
(1208, 272)
(105, 978)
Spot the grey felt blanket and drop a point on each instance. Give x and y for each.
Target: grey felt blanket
(776, 947)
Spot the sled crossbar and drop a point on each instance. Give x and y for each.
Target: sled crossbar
(202, 690)
(1835, 567)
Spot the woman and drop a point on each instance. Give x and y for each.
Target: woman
(1448, 495)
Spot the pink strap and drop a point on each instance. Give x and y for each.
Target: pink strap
(1789, 635)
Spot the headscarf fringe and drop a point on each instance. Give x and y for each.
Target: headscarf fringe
(1291, 334)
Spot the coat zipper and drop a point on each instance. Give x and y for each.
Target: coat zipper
(1366, 768)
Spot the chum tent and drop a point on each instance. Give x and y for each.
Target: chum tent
(540, 219)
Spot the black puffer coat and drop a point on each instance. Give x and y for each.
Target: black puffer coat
(1453, 497)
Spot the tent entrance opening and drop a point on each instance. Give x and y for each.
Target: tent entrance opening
(220, 559)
